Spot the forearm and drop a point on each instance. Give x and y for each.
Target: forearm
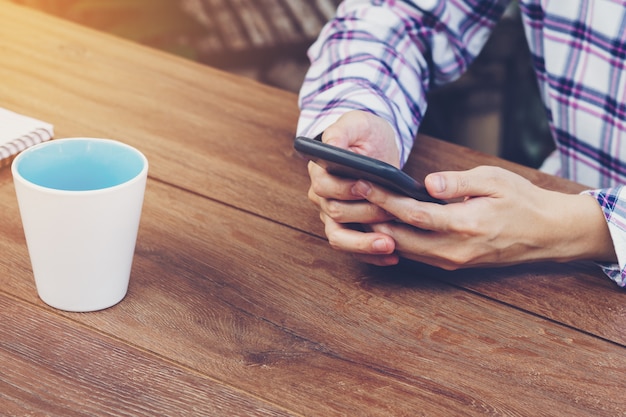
(356, 65)
(383, 58)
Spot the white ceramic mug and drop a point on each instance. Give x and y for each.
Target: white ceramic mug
(80, 201)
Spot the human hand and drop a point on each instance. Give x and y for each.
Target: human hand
(501, 219)
(340, 209)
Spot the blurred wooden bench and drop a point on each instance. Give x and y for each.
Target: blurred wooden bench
(241, 32)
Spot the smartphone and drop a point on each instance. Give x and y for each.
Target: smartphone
(344, 163)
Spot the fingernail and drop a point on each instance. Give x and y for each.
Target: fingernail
(380, 245)
(439, 183)
(361, 189)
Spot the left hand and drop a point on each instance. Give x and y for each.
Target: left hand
(501, 219)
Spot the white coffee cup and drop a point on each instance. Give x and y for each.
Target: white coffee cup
(80, 201)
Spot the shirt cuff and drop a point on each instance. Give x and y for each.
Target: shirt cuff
(606, 199)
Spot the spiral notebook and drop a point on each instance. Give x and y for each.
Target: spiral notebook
(18, 132)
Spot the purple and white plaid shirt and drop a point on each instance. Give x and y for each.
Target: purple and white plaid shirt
(383, 56)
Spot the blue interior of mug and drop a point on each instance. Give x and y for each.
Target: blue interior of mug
(80, 164)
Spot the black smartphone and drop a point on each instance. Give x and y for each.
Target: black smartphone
(344, 163)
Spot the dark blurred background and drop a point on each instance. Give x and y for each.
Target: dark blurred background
(494, 107)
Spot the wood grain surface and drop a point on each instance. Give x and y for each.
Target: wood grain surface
(237, 305)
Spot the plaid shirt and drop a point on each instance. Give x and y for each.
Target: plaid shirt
(384, 56)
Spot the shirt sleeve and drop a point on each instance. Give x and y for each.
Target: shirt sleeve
(384, 56)
(613, 203)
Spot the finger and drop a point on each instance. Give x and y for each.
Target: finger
(345, 239)
(329, 186)
(421, 246)
(422, 215)
(437, 249)
(316, 199)
(360, 211)
(480, 181)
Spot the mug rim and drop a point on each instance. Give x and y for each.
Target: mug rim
(55, 142)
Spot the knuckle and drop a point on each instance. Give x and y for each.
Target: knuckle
(330, 234)
(377, 197)
(312, 195)
(333, 244)
(316, 188)
(449, 266)
(333, 209)
(462, 185)
(456, 260)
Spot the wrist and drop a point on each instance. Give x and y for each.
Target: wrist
(581, 231)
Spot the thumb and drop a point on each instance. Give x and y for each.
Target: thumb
(336, 137)
(476, 182)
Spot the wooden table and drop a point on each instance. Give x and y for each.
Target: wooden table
(237, 306)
